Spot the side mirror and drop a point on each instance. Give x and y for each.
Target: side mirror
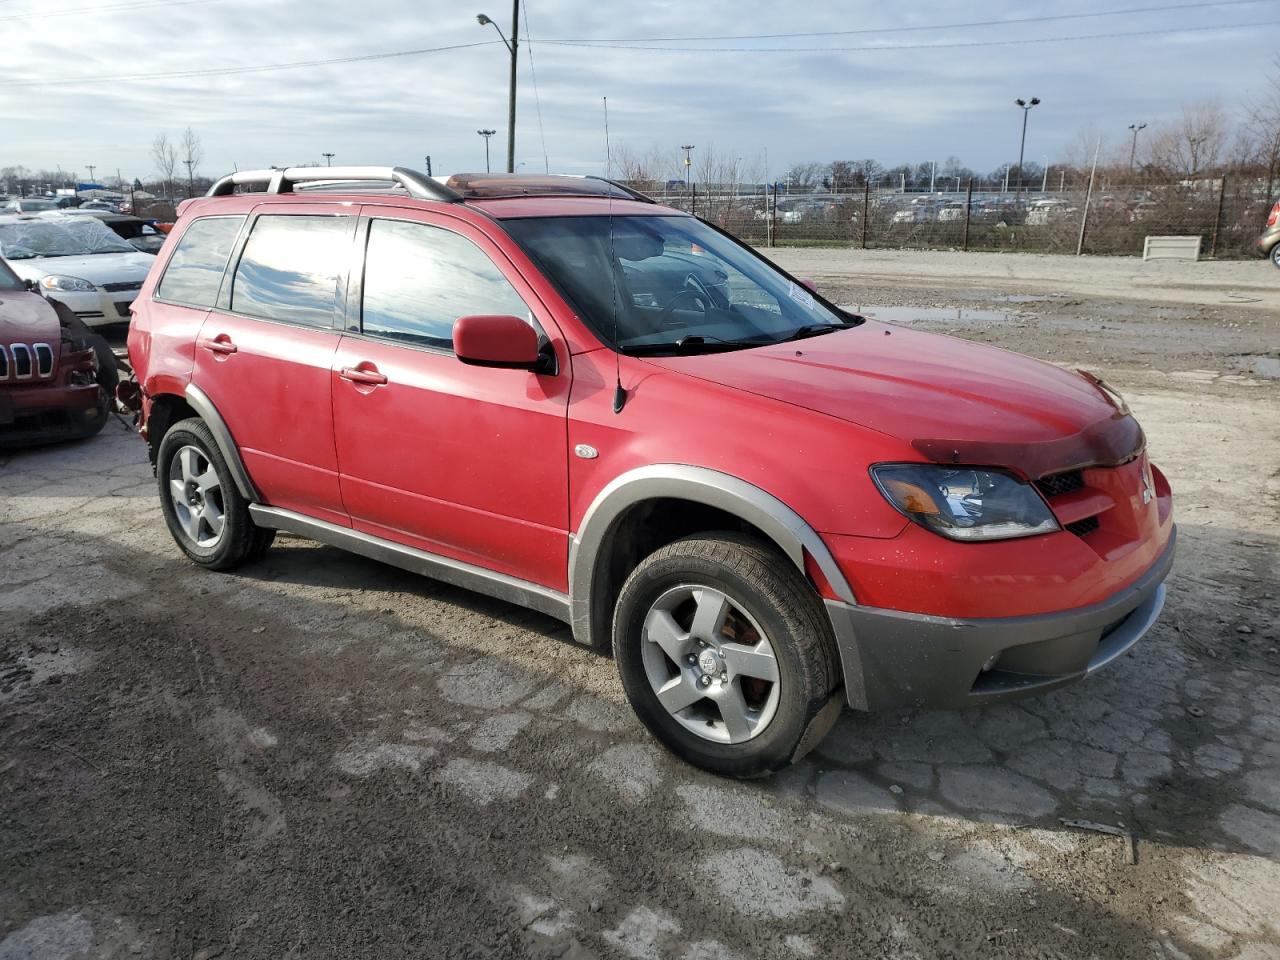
(496, 341)
(31, 285)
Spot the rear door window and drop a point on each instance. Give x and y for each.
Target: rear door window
(194, 272)
(291, 269)
(419, 279)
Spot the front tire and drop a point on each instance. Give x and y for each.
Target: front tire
(202, 507)
(725, 654)
(1275, 255)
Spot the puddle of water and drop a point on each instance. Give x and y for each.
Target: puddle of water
(929, 314)
(1268, 368)
(1025, 298)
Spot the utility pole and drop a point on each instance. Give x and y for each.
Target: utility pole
(933, 174)
(486, 134)
(1133, 150)
(1026, 106)
(1044, 182)
(191, 185)
(513, 46)
(428, 159)
(328, 159)
(688, 163)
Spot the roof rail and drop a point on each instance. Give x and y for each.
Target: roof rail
(281, 181)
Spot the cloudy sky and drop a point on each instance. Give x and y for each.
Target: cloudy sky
(93, 81)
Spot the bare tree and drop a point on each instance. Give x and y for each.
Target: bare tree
(1264, 132)
(165, 157)
(1193, 143)
(193, 153)
(806, 176)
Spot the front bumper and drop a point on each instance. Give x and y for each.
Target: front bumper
(100, 307)
(893, 660)
(48, 413)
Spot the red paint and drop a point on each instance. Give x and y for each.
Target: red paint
(477, 463)
(495, 341)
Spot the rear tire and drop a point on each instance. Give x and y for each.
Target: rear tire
(1275, 255)
(716, 623)
(202, 506)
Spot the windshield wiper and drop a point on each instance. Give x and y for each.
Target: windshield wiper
(813, 330)
(688, 344)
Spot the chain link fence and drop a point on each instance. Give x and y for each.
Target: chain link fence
(1228, 214)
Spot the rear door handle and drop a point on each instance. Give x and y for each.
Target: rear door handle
(365, 373)
(219, 344)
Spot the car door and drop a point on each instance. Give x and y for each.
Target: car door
(463, 461)
(265, 352)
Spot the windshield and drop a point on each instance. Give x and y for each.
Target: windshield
(69, 237)
(681, 286)
(8, 279)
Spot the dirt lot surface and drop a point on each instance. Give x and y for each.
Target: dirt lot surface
(321, 756)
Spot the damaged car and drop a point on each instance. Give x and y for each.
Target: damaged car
(78, 261)
(57, 378)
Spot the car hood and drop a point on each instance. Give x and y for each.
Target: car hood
(28, 318)
(953, 400)
(97, 268)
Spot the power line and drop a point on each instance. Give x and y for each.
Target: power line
(110, 8)
(226, 71)
(930, 26)
(877, 48)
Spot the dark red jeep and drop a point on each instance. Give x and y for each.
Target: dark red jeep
(56, 377)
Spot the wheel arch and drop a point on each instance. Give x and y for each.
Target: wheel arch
(199, 403)
(594, 574)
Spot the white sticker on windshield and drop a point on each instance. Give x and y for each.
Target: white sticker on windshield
(800, 295)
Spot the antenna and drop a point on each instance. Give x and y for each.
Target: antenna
(619, 394)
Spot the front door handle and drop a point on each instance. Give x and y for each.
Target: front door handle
(365, 373)
(219, 344)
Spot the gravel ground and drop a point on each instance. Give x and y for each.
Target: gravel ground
(321, 756)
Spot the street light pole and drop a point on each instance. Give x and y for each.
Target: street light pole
(191, 185)
(487, 134)
(91, 169)
(428, 159)
(1026, 106)
(328, 159)
(688, 163)
(1133, 150)
(513, 46)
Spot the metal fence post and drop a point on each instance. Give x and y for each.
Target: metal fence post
(773, 218)
(968, 206)
(866, 208)
(1217, 218)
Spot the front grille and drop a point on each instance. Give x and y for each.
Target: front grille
(21, 361)
(44, 359)
(88, 314)
(117, 287)
(1060, 483)
(1082, 528)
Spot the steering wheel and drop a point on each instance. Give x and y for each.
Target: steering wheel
(670, 306)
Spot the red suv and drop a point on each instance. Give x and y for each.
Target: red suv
(555, 391)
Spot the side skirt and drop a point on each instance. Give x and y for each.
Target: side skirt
(445, 569)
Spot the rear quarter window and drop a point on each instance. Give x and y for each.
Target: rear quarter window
(194, 272)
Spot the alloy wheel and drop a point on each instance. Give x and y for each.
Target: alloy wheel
(196, 494)
(710, 665)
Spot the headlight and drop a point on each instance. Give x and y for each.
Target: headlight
(964, 503)
(67, 284)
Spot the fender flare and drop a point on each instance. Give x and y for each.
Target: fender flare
(786, 528)
(201, 404)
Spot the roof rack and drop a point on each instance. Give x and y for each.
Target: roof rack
(282, 181)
